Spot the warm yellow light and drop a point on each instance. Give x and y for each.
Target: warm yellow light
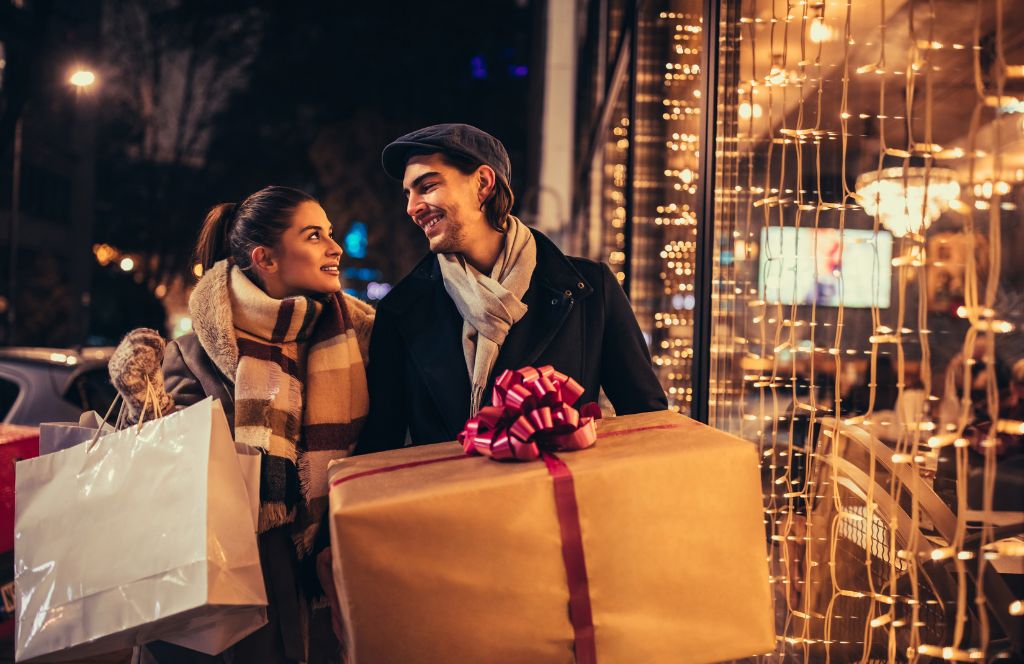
(104, 253)
(197, 269)
(898, 196)
(82, 78)
(776, 76)
(127, 264)
(1013, 427)
(819, 32)
(747, 111)
(1016, 608)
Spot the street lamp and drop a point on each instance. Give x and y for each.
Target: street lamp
(82, 78)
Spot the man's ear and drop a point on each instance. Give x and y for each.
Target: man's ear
(263, 259)
(485, 181)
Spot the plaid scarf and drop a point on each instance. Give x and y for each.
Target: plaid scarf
(300, 396)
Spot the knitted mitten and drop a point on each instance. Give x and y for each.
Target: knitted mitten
(137, 358)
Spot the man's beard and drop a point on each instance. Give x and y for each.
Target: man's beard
(451, 241)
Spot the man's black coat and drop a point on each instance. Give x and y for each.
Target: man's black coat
(579, 321)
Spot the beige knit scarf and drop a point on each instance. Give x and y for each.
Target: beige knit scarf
(490, 304)
(300, 396)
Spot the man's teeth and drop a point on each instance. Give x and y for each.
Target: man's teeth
(430, 224)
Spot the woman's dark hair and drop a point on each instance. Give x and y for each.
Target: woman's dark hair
(498, 205)
(232, 230)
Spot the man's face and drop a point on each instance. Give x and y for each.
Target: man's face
(443, 202)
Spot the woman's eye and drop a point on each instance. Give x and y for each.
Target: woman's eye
(315, 235)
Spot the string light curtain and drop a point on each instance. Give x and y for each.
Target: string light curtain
(667, 179)
(866, 327)
(647, 175)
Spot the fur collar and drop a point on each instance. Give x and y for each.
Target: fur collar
(212, 321)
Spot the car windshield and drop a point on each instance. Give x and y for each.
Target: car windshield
(91, 390)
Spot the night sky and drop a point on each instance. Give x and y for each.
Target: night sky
(205, 101)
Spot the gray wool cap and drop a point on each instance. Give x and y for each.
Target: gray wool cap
(459, 139)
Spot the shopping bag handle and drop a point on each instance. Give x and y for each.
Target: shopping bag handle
(151, 402)
(118, 399)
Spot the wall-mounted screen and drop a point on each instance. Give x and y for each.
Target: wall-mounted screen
(807, 266)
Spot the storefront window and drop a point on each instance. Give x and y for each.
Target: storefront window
(666, 189)
(867, 312)
(866, 295)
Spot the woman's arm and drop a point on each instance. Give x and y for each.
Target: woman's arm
(182, 386)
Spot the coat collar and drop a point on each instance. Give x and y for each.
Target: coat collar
(432, 326)
(212, 320)
(554, 270)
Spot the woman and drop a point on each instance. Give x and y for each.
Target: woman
(282, 347)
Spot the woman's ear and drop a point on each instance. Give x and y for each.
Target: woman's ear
(485, 181)
(263, 260)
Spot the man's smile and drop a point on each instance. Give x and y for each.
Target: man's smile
(429, 221)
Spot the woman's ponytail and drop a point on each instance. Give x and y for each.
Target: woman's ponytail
(233, 230)
(215, 236)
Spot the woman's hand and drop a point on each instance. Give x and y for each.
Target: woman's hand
(325, 572)
(137, 363)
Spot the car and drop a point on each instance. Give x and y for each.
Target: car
(53, 384)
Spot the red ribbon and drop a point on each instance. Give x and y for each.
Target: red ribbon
(531, 417)
(532, 411)
(575, 562)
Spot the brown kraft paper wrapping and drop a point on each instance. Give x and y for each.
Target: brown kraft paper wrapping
(459, 559)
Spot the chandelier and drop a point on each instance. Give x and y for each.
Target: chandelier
(897, 196)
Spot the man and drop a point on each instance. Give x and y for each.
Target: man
(492, 295)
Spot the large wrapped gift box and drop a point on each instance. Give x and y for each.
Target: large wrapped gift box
(440, 557)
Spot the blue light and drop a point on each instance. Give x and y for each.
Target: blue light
(361, 274)
(355, 240)
(479, 66)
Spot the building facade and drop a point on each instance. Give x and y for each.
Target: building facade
(814, 208)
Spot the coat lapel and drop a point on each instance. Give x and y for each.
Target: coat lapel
(434, 336)
(555, 289)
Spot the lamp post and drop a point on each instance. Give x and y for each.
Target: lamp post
(83, 200)
(81, 79)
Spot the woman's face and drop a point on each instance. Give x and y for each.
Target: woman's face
(306, 258)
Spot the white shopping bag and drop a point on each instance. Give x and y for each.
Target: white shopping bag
(146, 534)
(55, 436)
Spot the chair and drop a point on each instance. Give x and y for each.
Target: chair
(853, 622)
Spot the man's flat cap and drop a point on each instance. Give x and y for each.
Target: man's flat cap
(457, 139)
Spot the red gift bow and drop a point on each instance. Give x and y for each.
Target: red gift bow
(532, 412)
